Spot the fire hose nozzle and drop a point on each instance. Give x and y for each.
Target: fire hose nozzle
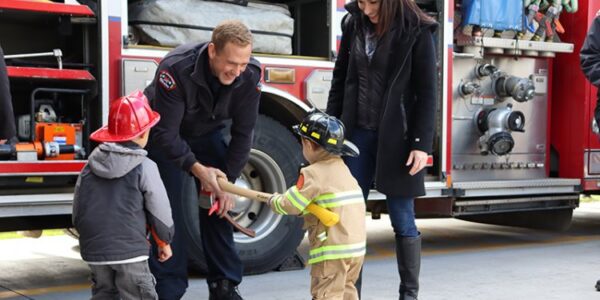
(520, 89)
(484, 70)
(468, 88)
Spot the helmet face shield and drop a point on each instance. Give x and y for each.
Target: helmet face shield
(327, 132)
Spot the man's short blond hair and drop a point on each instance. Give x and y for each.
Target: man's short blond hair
(231, 31)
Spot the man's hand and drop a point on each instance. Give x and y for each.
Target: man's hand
(208, 180)
(226, 203)
(2, 142)
(418, 160)
(208, 177)
(164, 253)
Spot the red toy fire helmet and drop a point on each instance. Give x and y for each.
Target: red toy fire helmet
(129, 117)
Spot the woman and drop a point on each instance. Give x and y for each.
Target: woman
(384, 89)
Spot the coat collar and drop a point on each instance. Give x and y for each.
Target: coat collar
(198, 75)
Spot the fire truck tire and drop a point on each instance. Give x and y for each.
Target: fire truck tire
(272, 167)
(553, 220)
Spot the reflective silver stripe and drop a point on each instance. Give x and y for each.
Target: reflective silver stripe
(297, 199)
(336, 252)
(322, 236)
(335, 200)
(278, 207)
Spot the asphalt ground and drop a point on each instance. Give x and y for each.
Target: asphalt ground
(461, 260)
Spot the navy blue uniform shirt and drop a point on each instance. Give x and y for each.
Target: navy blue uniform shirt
(181, 93)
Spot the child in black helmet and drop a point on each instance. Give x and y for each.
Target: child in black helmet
(119, 200)
(336, 252)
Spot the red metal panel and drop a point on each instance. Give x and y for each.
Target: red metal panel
(47, 7)
(55, 167)
(114, 58)
(549, 116)
(572, 97)
(49, 73)
(433, 207)
(591, 185)
(448, 104)
(449, 91)
(297, 89)
(593, 142)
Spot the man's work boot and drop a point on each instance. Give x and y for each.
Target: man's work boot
(223, 290)
(598, 285)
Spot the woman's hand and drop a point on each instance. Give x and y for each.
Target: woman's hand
(418, 160)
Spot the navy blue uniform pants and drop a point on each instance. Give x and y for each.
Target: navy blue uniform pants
(221, 256)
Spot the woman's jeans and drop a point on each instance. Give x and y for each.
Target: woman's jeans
(401, 209)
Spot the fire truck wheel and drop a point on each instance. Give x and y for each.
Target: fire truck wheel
(272, 167)
(554, 220)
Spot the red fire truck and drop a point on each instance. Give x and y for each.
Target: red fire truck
(513, 144)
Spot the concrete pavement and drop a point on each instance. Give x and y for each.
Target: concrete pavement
(461, 260)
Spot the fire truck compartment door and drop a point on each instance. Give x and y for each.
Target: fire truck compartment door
(35, 205)
(516, 187)
(433, 189)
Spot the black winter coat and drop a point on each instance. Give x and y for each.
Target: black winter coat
(408, 108)
(590, 60)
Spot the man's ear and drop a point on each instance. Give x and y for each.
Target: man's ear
(212, 50)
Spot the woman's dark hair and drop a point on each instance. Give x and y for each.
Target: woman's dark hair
(411, 14)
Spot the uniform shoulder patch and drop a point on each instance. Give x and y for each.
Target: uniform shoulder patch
(166, 80)
(300, 182)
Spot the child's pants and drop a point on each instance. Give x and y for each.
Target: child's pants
(334, 279)
(123, 281)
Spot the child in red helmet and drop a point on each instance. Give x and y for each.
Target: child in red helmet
(119, 199)
(336, 252)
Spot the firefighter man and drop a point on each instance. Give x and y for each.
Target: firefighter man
(196, 88)
(336, 253)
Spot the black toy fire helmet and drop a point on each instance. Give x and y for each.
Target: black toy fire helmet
(326, 131)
